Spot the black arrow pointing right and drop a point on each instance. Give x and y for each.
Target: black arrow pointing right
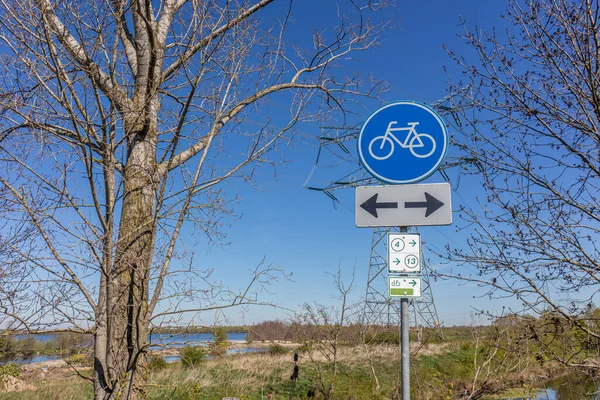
(431, 204)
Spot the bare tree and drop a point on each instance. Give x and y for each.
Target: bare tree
(119, 120)
(496, 354)
(321, 329)
(532, 137)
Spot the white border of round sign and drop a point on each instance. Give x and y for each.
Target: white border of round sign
(419, 178)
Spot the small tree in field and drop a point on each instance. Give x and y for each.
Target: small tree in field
(192, 356)
(532, 137)
(320, 330)
(119, 120)
(218, 347)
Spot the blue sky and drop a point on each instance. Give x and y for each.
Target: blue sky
(299, 230)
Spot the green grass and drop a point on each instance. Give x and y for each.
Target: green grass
(352, 382)
(454, 364)
(440, 373)
(72, 388)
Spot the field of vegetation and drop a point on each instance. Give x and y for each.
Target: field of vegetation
(443, 371)
(349, 362)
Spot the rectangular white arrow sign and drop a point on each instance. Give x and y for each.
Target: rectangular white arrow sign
(405, 286)
(404, 252)
(403, 205)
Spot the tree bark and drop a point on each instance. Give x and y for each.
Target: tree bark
(127, 295)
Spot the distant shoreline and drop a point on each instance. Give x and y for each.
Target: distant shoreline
(159, 331)
(240, 344)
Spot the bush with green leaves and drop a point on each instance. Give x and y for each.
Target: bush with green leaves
(276, 349)
(10, 369)
(384, 337)
(157, 363)
(7, 346)
(219, 345)
(304, 347)
(79, 359)
(220, 335)
(192, 356)
(27, 346)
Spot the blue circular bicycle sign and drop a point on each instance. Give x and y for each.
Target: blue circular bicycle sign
(403, 142)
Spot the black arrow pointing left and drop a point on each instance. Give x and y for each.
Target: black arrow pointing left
(371, 205)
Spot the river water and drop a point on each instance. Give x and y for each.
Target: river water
(157, 341)
(189, 339)
(568, 388)
(160, 339)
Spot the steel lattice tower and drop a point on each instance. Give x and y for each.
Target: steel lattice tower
(379, 308)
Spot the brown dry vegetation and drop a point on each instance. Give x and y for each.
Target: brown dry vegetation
(252, 376)
(473, 363)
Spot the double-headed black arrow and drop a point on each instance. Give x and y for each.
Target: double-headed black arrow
(431, 205)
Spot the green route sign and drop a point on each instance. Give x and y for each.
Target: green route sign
(405, 286)
(404, 252)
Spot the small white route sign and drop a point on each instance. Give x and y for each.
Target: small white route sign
(404, 252)
(405, 286)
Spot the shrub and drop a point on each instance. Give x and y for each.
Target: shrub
(220, 335)
(385, 337)
(277, 349)
(10, 369)
(195, 389)
(271, 330)
(192, 356)
(157, 363)
(79, 359)
(305, 347)
(7, 345)
(217, 349)
(219, 346)
(27, 346)
(49, 346)
(249, 338)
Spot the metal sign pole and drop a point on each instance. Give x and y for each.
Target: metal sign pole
(404, 343)
(405, 349)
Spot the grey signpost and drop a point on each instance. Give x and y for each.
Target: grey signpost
(402, 143)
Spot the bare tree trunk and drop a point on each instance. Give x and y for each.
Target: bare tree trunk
(101, 383)
(100, 345)
(128, 284)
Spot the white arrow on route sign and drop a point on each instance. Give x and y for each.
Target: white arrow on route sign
(403, 205)
(404, 286)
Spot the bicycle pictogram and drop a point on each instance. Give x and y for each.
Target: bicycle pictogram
(413, 141)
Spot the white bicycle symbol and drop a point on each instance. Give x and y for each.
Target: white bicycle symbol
(413, 141)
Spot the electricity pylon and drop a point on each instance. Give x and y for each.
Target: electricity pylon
(379, 308)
